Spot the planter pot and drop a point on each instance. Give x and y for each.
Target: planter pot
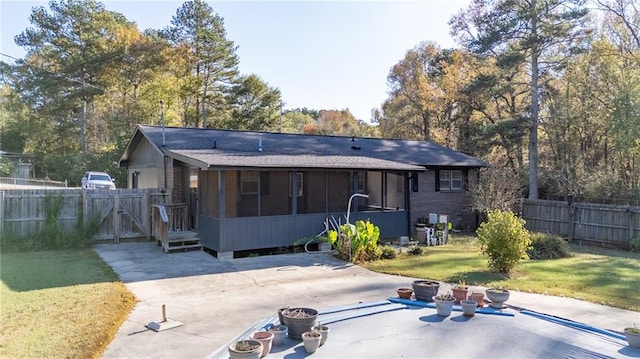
(479, 298)
(468, 307)
(404, 293)
(460, 293)
(299, 320)
(279, 333)
(444, 307)
(497, 297)
(280, 315)
(246, 349)
(633, 339)
(324, 330)
(266, 338)
(425, 290)
(311, 341)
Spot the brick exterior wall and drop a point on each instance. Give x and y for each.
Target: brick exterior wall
(456, 204)
(176, 183)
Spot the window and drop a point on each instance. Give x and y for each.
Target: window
(249, 182)
(299, 183)
(450, 180)
(358, 182)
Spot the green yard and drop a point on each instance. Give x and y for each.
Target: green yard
(59, 304)
(608, 277)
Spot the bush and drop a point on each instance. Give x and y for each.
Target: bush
(504, 239)
(415, 251)
(388, 252)
(635, 245)
(548, 246)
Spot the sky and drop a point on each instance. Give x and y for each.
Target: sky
(324, 55)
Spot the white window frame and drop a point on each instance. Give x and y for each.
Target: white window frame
(451, 180)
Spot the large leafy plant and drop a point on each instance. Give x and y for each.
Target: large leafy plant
(356, 242)
(504, 239)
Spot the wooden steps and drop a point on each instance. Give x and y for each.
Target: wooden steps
(181, 240)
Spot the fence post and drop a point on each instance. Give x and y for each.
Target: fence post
(116, 218)
(1, 212)
(572, 218)
(148, 215)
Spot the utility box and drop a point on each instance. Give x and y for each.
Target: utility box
(421, 234)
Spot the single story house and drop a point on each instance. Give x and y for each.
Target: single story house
(255, 190)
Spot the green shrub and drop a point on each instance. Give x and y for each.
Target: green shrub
(635, 245)
(388, 252)
(356, 242)
(548, 246)
(415, 250)
(504, 240)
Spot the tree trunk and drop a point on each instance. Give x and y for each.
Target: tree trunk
(533, 121)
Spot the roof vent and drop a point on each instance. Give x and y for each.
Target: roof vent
(215, 145)
(354, 147)
(260, 143)
(353, 138)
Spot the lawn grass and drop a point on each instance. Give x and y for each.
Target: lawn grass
(604, 276)
(59, 304)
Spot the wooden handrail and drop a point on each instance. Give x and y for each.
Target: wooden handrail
(168, 218)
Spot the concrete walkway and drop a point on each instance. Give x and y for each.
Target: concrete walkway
(218, 299)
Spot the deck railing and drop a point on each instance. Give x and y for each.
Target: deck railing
(168, 218)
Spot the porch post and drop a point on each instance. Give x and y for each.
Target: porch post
(221, 194)
(294, 192)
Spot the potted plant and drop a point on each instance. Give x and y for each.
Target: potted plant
(497, 296)
(246, 348)
(311, 341)
(468, 307)
(425, 290)
(444, 304)
(479, 298)
(266, 338)
(324, 330)
(299, 320)
(279, 333)
(404, 293)
(460, 292)
(633, 336)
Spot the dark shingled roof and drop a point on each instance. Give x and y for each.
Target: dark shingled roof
(229, 148)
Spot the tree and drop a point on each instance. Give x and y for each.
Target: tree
(207, 65)
(539, 33)
(256, 105)
(67, 50)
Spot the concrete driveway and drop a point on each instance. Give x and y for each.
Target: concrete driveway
(218, 299)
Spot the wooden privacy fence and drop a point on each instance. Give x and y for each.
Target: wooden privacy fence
(121, 213)
(607, 225)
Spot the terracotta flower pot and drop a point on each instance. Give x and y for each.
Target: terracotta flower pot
(479, 298)
(460, 293)
(404, 293)
(266, 338)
